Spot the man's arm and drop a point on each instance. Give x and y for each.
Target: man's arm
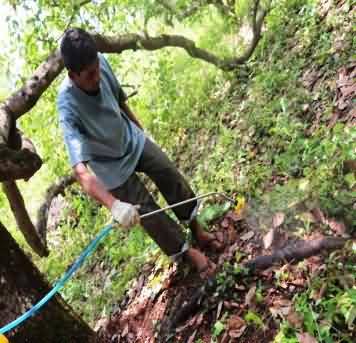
(124, 213)
(125, 107)
(92, 185)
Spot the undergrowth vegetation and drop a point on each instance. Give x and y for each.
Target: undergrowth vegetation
(260, 131)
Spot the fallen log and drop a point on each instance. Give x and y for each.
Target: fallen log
(295, 252)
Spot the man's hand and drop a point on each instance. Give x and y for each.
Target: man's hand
(125, 214)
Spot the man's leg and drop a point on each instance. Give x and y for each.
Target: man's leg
(156, 164)
(162, 229)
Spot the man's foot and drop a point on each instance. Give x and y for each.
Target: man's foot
(207, 240)
(205, 267)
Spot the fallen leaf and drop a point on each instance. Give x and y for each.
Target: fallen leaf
(235, 322)
(337, 226)
(192, 337)
(309, 78)
(291, 288)
(225, 223)
(240, 287)
(306, 338)
(318, 294)
(115, 338)
(237, 333)
(250, 295)
(318, 215)
(189, 323)
(299, 282)
(346, 91)
(219, 236)
(227, 305)
(248, 235)
(307, 217)
(268, 238)
(278, 219)
(294, 319)
(125, 331)
(232, 236)
(235, 217)
(234, 304)
(218, 312)
(324, 7)
(281, 307)
(225, 338)
(341, 104)
(101, 324)
(199, 319)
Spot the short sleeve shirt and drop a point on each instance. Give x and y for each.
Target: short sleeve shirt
(97, 131)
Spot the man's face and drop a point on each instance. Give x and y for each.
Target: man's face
(88, 79)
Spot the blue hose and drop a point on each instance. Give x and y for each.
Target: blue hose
(59, 285)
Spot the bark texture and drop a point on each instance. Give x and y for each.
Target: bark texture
(15, 165)
(296, 252)
(21, 286)
(23, 219)
(17, 141)
(56, 189)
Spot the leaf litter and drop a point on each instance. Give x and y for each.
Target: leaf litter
(248, 308)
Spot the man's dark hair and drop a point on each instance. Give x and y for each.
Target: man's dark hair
(78, 49)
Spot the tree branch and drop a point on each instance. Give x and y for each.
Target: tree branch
(15, 165)
(17, 142)
(54, 190)
(24, 99)
(136, 42)
(22, 218)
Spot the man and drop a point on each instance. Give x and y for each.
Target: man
(107, 146)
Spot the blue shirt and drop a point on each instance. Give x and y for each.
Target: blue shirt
(97, 131)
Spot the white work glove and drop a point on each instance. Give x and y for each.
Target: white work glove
(125, 214)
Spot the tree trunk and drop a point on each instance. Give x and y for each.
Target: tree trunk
(21, 286)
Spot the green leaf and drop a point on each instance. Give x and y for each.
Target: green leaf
(350, 180)
(218, 328)
(253, 318)
(213, 212)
